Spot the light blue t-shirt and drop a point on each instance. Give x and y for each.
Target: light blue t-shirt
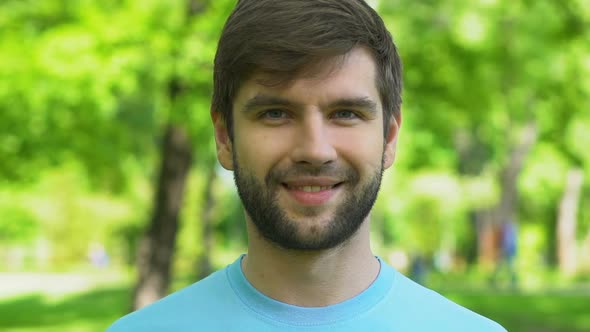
(226, 301)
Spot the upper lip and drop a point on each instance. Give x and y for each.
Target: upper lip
(312, 181)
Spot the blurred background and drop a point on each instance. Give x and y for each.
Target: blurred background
(111, 196)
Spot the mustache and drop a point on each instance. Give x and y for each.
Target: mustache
(343, 173)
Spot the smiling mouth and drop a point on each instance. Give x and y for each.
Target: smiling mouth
(311, 189)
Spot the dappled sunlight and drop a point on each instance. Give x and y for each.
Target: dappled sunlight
(56, 285)
(495, 132)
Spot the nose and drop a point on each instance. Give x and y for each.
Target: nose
(313, 145)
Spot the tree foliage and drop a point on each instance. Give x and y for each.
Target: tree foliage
(88, 83)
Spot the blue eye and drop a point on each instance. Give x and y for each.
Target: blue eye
(345, 115)
(273, 114)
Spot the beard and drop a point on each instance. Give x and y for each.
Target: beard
(260, 201)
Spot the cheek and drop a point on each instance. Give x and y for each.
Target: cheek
(364, 148)
(260, 152)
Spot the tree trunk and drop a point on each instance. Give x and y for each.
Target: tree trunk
(510, 174)
(567, 222)
(157, 247)
(506, 209)
(204, 265)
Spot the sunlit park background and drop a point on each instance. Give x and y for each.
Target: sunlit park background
(110, 194)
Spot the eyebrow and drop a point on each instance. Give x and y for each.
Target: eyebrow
(364, 103)
(261, 101)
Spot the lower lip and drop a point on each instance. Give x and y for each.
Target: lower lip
(312, 198)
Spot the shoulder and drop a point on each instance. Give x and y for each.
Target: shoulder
(426, 310)
(197, 302)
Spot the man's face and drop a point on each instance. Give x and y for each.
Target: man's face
(308, 156)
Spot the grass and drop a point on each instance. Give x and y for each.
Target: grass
(534, 312)
(94, 309)
(88, 311)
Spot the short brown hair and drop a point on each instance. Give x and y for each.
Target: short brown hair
(283, 37)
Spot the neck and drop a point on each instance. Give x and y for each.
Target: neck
(311, 278)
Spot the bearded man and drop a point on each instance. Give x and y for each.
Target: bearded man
(307, 113)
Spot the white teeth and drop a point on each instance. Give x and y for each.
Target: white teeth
(313, 189)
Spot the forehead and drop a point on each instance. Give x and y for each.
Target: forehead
(351, 75)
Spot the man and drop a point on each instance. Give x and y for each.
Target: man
(507, 243)
(306, 110)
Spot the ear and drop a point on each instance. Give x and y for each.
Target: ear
(391, 140)
(222, 141)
